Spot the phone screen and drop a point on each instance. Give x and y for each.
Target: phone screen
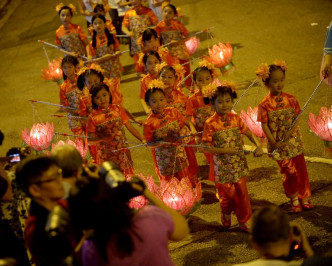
(15, 158)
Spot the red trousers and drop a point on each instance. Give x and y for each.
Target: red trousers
(296, 180)
(234, 197)
(193, 166)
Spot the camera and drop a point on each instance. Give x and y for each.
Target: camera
(295, 247)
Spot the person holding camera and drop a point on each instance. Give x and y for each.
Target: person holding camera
(41, 179)
(276, 239)
(115, 234)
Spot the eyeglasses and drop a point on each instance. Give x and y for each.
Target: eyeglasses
(57, 177)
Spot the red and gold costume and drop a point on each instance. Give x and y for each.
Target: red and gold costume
(69, 96)
(107, 124)
(169, 160)
(71, 38)
(137, 22)
(164, 55)
(178, 100)
(230, 171)
(279, 112)
(176, 31)
(145, 85)
(112, 67)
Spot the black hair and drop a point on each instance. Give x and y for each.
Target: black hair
(97, 88)
(31, 169)
(167, 68)
(269, 224)
(66, 7)
(95, 205)
(273, 68)
(71, 60)
(173, 7)
(110, 38)
(99, 8)
(151, 91)
(1, 137)
(224, 89)
(199, 70)
(148, 34)
(147, 54)
(87, 73)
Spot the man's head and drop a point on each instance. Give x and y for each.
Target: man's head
(40, 178)
(270, 228)
(68, 159)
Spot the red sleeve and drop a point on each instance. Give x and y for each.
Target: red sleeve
(207, 133)
(262, 114)
(57, 39)
(181, 119)
(153, 18)
(296, 105)
(183, 29)
(189, 108)
(110, 25)
(159, 28)
(125, 21)
(143, 90)
(123, 115)
(81, 34)
(63, 97)
(116, 43)
(242, 125)
(147, 132)
(82, 110)
(90, 127)
(91, 49)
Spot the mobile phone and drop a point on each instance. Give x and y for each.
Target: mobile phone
(15, 158)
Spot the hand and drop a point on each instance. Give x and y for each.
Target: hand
(143, 141)
(131, 34)
(327, 68)
(139, 122)
(298, 235)
(258, 152)
(116, 53)
(92, 171)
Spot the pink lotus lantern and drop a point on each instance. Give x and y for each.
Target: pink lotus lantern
(39, 137)
(180, 195)
(78, 144)
(321, 125)
(221, 55)
(192, 45)
(141, 201)
(250, 119)
(54, 71)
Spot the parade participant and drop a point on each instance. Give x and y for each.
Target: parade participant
(199, 110)
(151, 42)
(165, 124)
(176, 98)
(135, 21)
(86, 9)
(105, 127)
(105, 51)
(151, 60)
(99, 9)
(70, 94)
(172, 32)
(276, 112)
(223, 132)
(70, 36)
(156, 6)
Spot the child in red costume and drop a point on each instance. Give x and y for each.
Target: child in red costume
(276, 112)
(223, 132)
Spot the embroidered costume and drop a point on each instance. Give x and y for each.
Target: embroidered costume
(230, 171)
(279, 113)
(107, 125)
(71, 38)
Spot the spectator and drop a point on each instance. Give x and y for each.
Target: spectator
(272, 236)
(70, 161)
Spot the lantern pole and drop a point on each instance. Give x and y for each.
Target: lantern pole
(53, 104)
(71, 135)
(92, 60)
(72, 116)
(193, 60)
(60, 49)
(237, 101)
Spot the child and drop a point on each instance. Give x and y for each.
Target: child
(156, 5)
(135, 21)
(276, 112)
(70, 94)
(165, 124)
(198, 109)
(151, 60)
(105, 127)
(100, 10)
(69, 36)
(151, 42)
(173, 31)
(105, 51)
(177, 99)
(223, 132)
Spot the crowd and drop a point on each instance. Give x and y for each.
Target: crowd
(67, 213)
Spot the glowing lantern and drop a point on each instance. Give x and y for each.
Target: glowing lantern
(54, 71)
(250, 119)
(180, 195)
(321, 125)
(78, 144)
(39, 137)
(192, 44)
(221, 55)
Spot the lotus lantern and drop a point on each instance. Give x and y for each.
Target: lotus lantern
(53, 72)
(39, 137)
(250, 119)
(192, 45)
(221, 55)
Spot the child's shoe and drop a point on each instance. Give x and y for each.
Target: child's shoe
(306, 204)
(296, 206)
